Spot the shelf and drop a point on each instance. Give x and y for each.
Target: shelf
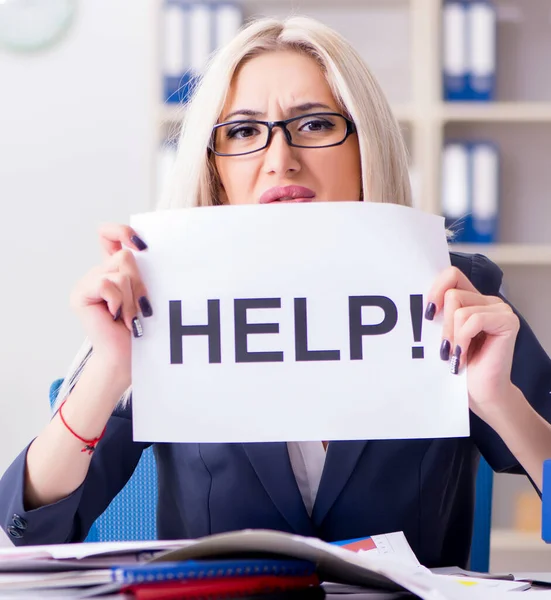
(298, 4)
(509, 254)
(509, 112)
(173, 113)
(515, 541)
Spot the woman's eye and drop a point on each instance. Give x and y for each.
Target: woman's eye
(242, 132)
(316, 125)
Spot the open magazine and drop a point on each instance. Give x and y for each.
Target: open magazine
(333, 562)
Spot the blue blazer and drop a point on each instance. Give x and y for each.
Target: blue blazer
(423, 487)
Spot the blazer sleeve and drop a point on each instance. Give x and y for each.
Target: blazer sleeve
(69, 519)
(531, 371)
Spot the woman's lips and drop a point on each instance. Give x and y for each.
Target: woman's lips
(288, 193)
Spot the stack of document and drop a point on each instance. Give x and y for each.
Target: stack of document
(249, 562)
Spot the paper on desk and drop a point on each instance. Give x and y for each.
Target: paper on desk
(88, 549)
(388, 545)
(489, 584)
(333, 286)
(18, 581)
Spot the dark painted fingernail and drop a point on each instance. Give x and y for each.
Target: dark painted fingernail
(431, 311)
(137, 329)
(454, 364)
(138, 242)
(445, 350)
(118, 314)
(145, 306)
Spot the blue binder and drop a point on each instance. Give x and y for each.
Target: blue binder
(454, 50)
(176, 50)
(470, 191)
(481, 21)
(208, 569)
(484, 192)
(455, 190)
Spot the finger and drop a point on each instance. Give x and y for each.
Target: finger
(104, 291)
(462, 315)
(492, 323)
(127, 306)
(454, 299)
(450, 278)
(114, 235)
(124, 262)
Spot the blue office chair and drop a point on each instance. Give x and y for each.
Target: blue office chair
(132, 513)
(480, 545)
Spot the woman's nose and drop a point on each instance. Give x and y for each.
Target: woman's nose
(279, 156)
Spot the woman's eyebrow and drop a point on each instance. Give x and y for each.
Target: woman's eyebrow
(247, 112)
(309, 106)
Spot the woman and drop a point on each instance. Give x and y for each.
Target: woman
(286, 112)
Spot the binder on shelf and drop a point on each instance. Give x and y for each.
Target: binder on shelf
(481, 50)
(470, 191)
(484, 183)
(455, 190)
(201, 35)
(228, 20)
(192, 30)
(175, 55)
(454, 50)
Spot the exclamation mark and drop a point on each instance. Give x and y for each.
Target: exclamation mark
(416, 308)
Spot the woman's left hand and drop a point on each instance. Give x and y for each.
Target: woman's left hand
(478, 330)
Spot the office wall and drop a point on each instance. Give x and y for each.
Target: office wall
(76, 131)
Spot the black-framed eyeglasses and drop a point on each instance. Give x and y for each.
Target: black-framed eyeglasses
(316, 130)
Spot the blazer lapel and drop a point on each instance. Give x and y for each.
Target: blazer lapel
(340, 463)
(273, 467)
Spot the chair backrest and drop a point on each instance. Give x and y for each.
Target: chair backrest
(132, 513)
(480, 546)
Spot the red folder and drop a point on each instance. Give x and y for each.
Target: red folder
(223, 587)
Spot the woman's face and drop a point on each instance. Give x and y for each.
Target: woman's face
(276, 86)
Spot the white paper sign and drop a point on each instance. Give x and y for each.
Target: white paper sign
(292, 322)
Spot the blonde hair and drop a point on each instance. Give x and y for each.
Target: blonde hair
(194, 181)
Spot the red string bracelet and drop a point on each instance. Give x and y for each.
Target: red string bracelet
(89, 445)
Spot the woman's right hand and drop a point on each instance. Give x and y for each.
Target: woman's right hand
(109, 298)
